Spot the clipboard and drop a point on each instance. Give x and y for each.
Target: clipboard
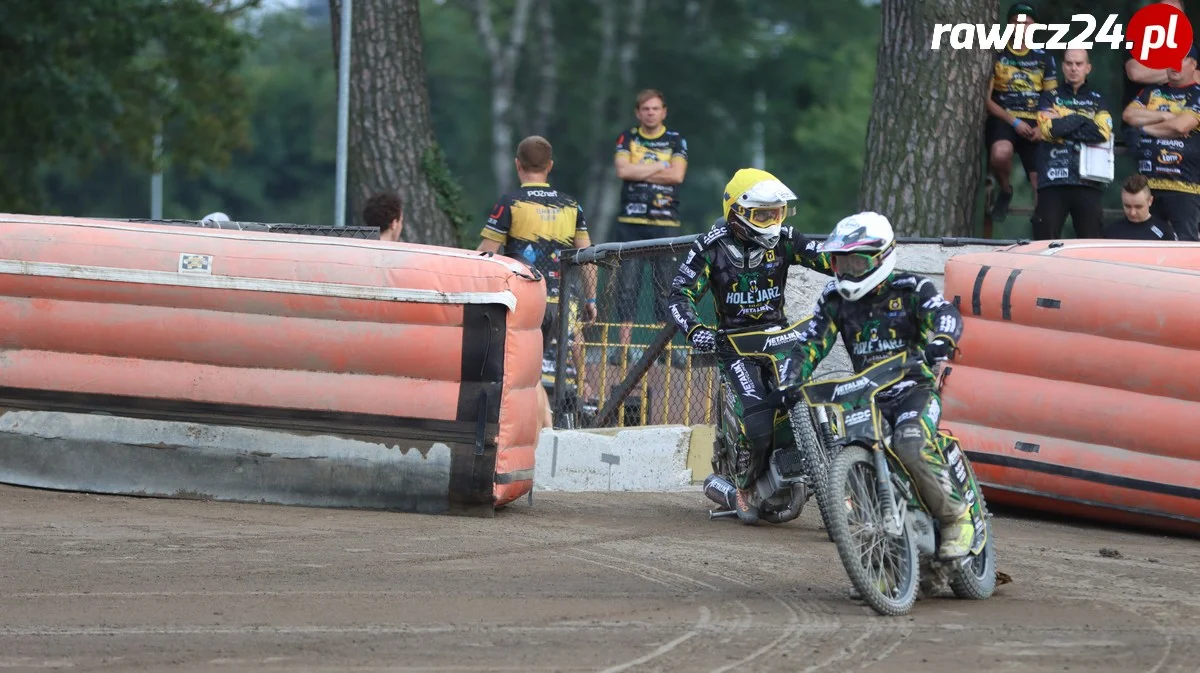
(1096, 162)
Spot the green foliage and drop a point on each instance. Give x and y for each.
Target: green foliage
(283, 174)
(833, 84)
(815, 76)
(448, 191)
(89, 81)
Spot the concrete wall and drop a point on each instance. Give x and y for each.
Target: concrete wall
(668, 458)
(927, 260)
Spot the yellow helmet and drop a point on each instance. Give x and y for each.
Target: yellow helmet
(755, 206)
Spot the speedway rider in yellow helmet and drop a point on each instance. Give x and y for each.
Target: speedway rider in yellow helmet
(744, 260)
(880, 312)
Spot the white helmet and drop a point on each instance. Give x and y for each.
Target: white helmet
(214, 218)
(755, 205)
(863, 253)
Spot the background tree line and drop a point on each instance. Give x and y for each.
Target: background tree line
(245, 101)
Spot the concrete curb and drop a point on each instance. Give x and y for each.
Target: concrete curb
(652, 459)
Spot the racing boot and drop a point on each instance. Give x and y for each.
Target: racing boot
(957, 536)
(930, 474)
(747, 509)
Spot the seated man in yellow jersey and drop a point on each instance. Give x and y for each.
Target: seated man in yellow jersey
(1018, 80)
(535, 221)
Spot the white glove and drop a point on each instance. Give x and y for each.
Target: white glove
(704, 339)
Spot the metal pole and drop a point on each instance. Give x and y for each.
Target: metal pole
(156, 181)
(339, 215)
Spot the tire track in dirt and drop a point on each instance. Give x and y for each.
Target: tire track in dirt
(801, 615)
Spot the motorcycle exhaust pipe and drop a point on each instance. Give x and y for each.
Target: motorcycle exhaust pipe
(721, 491)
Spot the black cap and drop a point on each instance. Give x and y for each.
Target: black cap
(1022, 8)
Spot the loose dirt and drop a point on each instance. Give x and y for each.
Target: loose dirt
(573, 582)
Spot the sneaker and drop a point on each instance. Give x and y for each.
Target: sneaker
(747, 511)
(1000, 210)
(614, 356)
(957, 537)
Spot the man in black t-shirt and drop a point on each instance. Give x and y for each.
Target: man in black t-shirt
(1138, 223)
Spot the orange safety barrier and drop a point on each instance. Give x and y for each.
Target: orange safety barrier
(415, 366)
(1077, 390)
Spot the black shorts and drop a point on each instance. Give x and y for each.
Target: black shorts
(631, 280)
(551, 318)
(1181, 209)
(997, 130)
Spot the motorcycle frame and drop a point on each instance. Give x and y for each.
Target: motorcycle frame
(887, 463)
(724, 431)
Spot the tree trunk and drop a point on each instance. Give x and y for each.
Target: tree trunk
(924, 158)
(604, 188)
(600, 168)
(504, 62)
(392, 146)
(548, 95)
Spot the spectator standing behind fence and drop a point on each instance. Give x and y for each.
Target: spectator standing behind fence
(1068, 116)
(532, 224)
(1138, 223)
(1136, 77)
(651, 160)
(1018, 80)
(385, 211)
(1169, 148)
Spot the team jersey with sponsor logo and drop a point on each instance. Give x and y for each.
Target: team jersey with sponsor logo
(1172, 164)
(1058, 157)
(532, 224)
(747, 281)
(646, 202)
(881, 324)
(1019, 78)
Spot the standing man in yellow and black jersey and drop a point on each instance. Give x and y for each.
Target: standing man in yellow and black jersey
(1018, 81)
(651, 160)
(534, 222)
(1070, 116)
(1168, 151)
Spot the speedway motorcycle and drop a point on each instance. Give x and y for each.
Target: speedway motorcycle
(793, 471)
(885, 536)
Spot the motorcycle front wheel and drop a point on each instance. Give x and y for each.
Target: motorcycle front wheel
(816, 456)
(885, 570)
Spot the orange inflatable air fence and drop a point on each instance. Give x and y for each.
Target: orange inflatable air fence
(1078, 387)
(274, 367)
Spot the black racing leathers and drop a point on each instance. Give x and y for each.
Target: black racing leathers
(747, 283)
(905, 314)
(894, 318)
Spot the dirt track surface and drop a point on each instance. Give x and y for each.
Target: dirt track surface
(575, 582)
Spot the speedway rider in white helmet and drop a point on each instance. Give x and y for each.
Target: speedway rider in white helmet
(744, 260)
(879, 313)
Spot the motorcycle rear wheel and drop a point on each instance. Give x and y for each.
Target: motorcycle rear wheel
(885, 570)
(976, 579)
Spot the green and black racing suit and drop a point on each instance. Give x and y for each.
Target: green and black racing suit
(906, 313)
(747, 282)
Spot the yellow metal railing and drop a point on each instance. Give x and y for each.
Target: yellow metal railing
(697, 380)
